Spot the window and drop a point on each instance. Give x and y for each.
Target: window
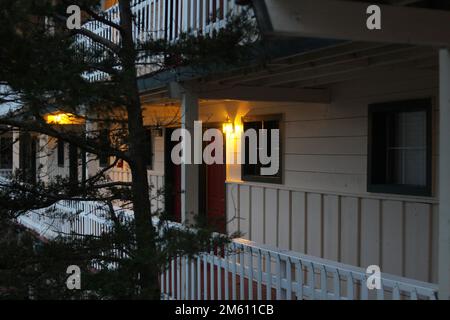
(6, 152)
(104, 142)
(399, 159)
(61, 153)
(252, 171)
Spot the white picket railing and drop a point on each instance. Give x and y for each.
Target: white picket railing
(243, 270)
(246, 271)
(160, 19)
(120, 174)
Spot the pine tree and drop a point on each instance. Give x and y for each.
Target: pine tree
(44, 68)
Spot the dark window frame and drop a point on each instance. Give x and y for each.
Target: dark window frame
(61, 153)
(278, 178)
(104, 138)
(395, 107)
(150, 161)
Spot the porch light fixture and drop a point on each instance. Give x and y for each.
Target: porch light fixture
(228, 127)
(63, 118)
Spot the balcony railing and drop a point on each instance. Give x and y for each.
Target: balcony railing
(244, 269)
(165, 19)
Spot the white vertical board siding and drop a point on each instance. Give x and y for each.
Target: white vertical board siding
(257, 214)
(314, 224)
(434, 244)
(399, 235)
(417, 243)
(271, 214)
(370, 238)
(284, 219)
(244, 210)
(232, 208)
(392, 237)
(331, 227)
(350, 230)
(298, 225)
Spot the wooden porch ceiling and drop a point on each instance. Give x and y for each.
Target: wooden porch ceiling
(331, 65)
(306, 77)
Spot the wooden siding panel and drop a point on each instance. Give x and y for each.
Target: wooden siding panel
(298, 227)
(271, 198)
(232, 208)
(331, 225)
(417, 240)
(314, 224)
(327, 128)
(370, 232)
(392, 237)
(257, 214)
(244, 211)
(284, 220)
(434, 243)
(327, 145)
(350, 230)
(327, 181)
(350, 164)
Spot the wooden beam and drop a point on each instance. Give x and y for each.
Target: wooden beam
(217, 92)
(347, 20)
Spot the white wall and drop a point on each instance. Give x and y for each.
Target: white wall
(322, 208)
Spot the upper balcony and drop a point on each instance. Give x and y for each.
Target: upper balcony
(164, 19)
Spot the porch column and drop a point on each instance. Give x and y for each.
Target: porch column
(444, 174)
(16, 149)
(189, 171)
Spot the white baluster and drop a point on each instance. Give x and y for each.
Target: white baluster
(211, 286)
(260, 272)
(289, 279)
(242, 275)
(268, 277)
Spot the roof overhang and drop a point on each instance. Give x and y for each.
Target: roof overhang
(347, 20)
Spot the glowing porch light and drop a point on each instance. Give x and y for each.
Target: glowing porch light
(228, 128)
(63, 118)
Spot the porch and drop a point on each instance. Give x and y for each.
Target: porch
(322, 207)
(243, 270)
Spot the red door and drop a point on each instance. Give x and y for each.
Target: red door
(215, 196)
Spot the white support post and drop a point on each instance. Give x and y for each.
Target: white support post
(16, 150)
(444, 174)
(189, 172)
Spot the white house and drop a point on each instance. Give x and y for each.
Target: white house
(364, 124)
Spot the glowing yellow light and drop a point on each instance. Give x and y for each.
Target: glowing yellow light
(228, 128)
(238, 129)
(63, 118)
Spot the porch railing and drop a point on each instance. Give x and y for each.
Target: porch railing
(242, 270)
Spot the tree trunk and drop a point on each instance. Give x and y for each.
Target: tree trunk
(145, 231)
